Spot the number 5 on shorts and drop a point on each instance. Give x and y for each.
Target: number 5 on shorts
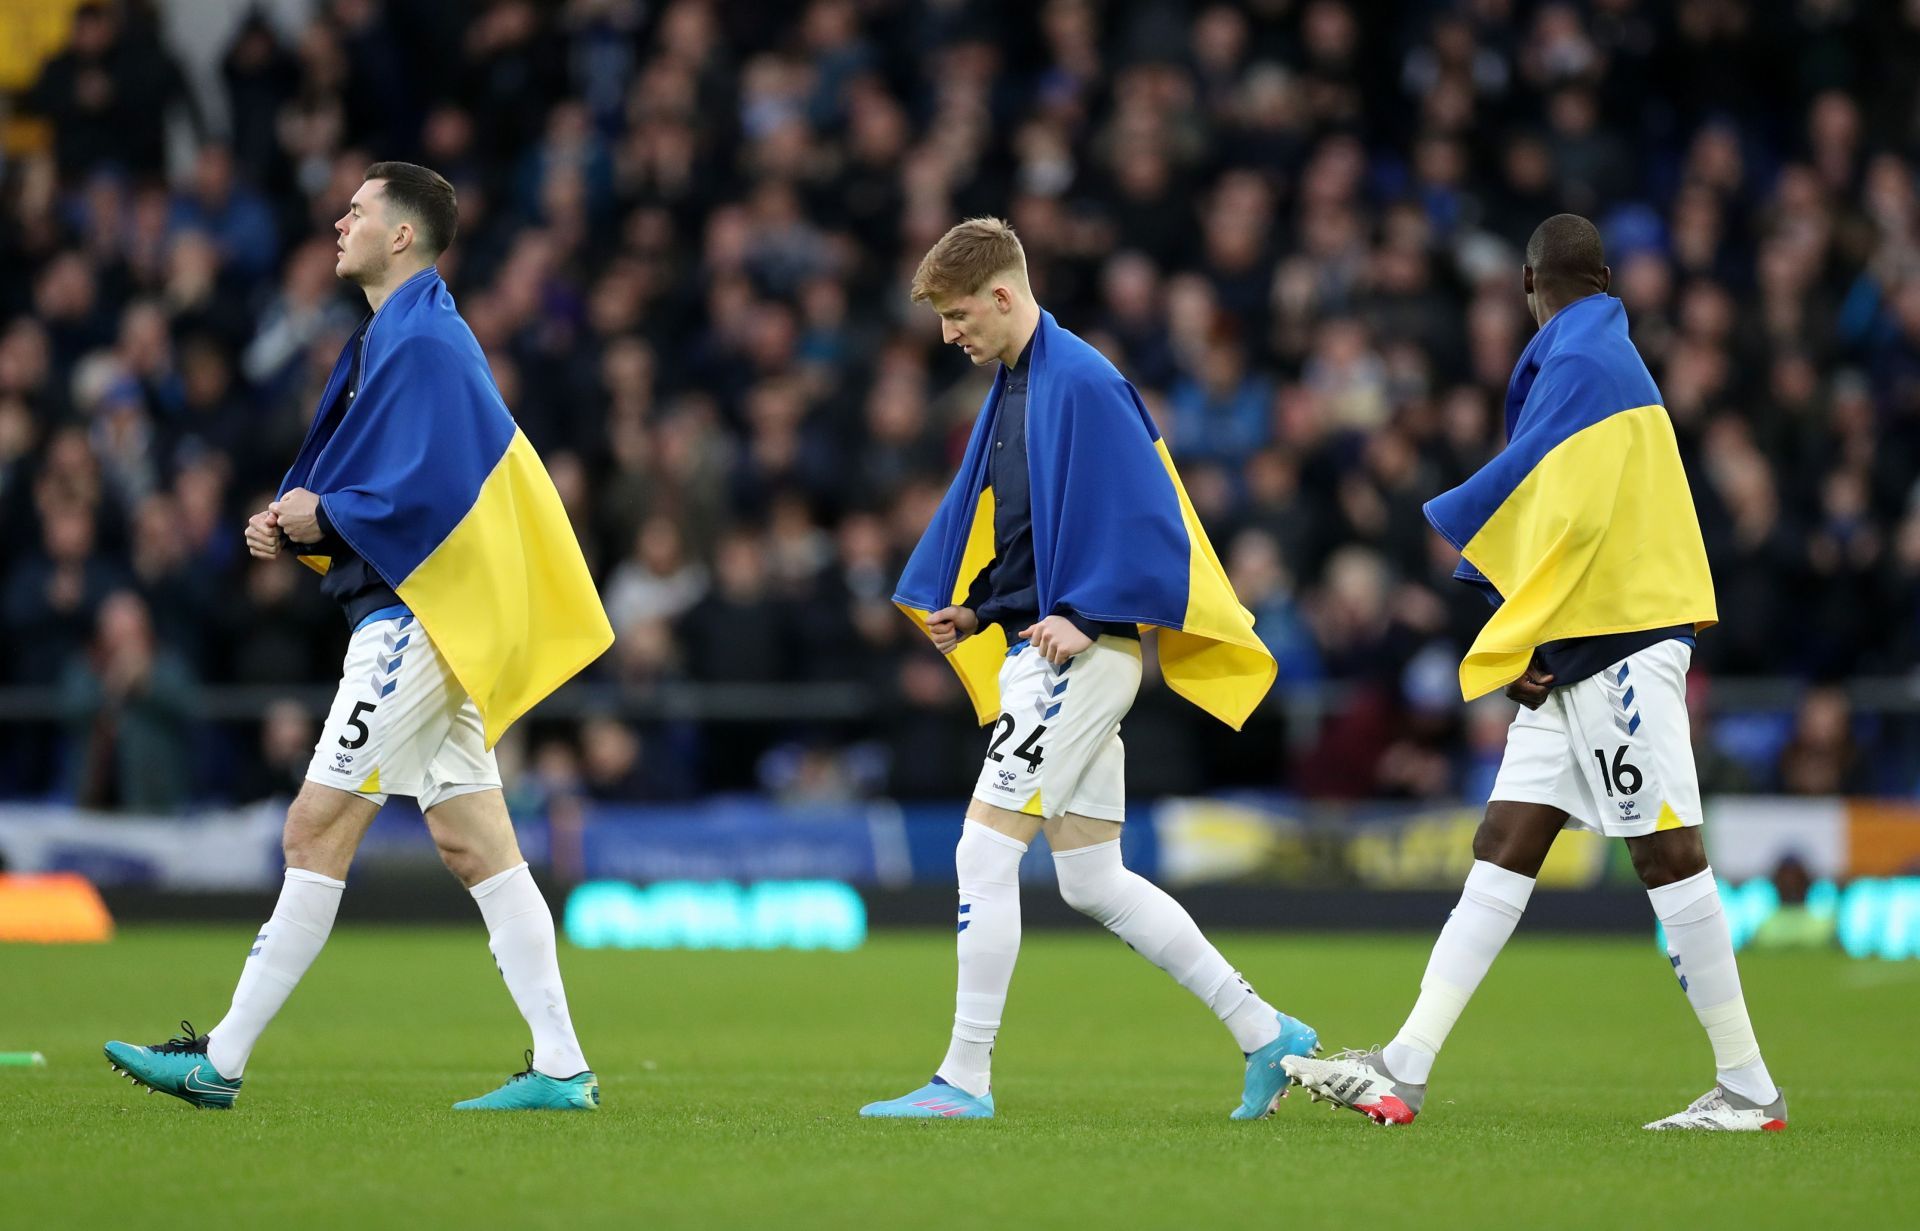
(355, 724)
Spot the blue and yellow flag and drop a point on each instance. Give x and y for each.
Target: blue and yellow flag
(1114, 536)
(429, 479)
(1584, 524)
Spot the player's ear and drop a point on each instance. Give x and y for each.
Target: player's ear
(1606, 278)
(402, 238)
(1526, 279)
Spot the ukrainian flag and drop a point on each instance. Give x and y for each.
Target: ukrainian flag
(428, 478)
(1114, 537)
(1584, 524)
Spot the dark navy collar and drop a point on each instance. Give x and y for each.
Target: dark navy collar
(1021, 364)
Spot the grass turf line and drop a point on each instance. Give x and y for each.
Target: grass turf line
(731, 1081)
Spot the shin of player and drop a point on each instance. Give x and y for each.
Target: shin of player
(475, 839)
(1053, 678)
(1601, 741)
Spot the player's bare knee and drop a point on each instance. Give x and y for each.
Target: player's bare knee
(467, 859)
(473, 832)
(461, 857)
(300, 842)
(1492, 844)
(1016, 825)
(318, 837)
(1517, 836)
(1667, 857)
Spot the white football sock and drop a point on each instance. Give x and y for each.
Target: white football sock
(281, 953)
(1490, 906)
(1096, 883)
(987, 863)
(520, 933)
(1701, 949)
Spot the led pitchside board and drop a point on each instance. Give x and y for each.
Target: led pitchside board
(815, 914)
(1876, 917)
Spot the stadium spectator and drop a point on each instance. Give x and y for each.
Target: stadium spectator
(1821, 758)
(52, 596)
(110, 92)
(130, 706)
(277, 767)
(685, 234)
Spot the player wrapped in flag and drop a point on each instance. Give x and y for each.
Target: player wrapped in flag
(1123, 501)
(1583, 525)
(454, 510)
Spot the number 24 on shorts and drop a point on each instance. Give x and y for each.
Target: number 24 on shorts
(1029, 750)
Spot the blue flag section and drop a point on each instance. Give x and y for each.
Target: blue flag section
(1114, 536)
(429, 479)
(1584, 524)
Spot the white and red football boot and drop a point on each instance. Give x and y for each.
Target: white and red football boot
(1720, 1110)
(1358, 1080)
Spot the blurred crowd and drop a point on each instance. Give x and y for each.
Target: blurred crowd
(686, 232)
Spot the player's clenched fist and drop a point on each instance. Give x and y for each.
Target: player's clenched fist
(263, 535)
(949, 626)
(1531, 689)
(1057, 639)
(299, 514)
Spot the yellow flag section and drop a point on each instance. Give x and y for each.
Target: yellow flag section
(1599, 538)
(506, 597)
(1214, 659)
(976, 660)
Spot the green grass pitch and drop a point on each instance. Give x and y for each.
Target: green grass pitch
(731, 1081)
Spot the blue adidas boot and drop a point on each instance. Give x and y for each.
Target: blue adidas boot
(937, 1100)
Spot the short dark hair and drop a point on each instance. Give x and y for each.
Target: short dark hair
(423, 197)
(1565, 252)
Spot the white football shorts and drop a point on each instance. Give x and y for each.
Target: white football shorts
(1614, 751)
(401, 724)
(1056, 745)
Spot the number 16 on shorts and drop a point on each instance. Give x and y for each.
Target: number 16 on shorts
(1618, 777)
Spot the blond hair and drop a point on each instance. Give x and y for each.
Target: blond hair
(967, 258)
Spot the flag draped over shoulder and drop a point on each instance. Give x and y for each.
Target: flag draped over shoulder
(1114, 536)
(1584, 524)
(429, 479)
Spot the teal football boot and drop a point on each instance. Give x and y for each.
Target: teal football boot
(937, 1100)
(178, 1067)
(531, 1091)
(1266, 1079)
